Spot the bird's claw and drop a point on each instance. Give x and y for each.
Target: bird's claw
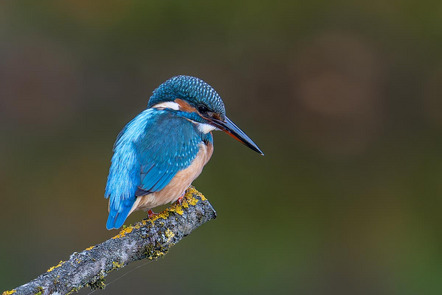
(180, 200)
(151, 214)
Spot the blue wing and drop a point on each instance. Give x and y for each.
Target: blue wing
(148, 153)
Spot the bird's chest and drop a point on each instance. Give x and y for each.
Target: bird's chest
(179, 183)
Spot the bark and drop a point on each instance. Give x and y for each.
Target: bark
(148, 239)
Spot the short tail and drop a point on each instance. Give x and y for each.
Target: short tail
(116, 219)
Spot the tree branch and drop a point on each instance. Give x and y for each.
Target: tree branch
(148, 239)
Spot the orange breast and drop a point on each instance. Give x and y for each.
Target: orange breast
(176, 187)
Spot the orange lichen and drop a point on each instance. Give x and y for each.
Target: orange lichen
(176, 208)
(89, 248)
(188, 200)
(124, 232)
(117, 265)
(9, 292)
(54, 267)
(162, 215)
(192, 191)
(169, 235)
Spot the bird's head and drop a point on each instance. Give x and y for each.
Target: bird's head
(200, 103)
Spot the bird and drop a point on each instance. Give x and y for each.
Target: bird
(160, 152)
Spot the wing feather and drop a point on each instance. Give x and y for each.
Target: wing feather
(148, 153)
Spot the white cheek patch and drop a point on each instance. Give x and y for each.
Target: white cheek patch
(167, 105)
(205, 128)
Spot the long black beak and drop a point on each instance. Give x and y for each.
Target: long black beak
(231, 129)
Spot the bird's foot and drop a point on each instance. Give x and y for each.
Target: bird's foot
(151, 214)
(180, 200)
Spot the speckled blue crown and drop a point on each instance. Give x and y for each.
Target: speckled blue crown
(191, 89)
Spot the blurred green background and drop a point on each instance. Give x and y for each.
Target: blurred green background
(344, 98)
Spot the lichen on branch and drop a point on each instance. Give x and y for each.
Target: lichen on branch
(147, 239)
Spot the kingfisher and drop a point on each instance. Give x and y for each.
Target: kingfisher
(158, 154)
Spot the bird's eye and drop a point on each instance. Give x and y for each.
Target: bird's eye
(202, 109)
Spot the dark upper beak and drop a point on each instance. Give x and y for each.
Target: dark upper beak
(231, 129)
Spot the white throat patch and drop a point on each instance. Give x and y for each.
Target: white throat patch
(205, 128)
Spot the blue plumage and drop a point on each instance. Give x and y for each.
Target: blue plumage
(191, 89)
(169, 145)
(163, 140)
(151, 149)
